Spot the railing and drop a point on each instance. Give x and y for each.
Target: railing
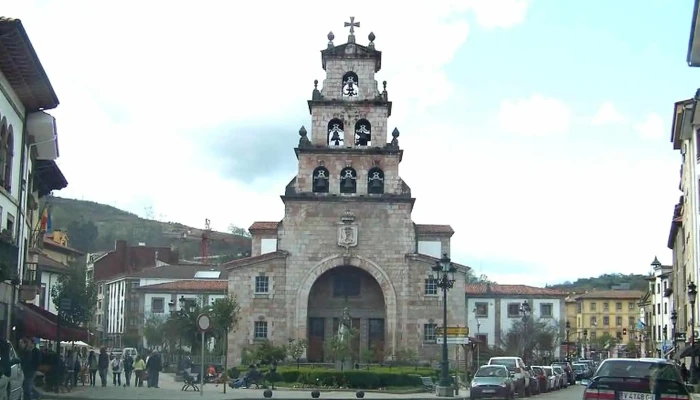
(30, 277)
(173, 359)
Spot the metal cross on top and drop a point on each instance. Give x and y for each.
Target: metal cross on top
(352, 24)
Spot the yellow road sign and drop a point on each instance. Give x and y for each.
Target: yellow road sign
(453, 331)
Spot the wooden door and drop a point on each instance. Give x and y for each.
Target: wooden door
(317, 333)
(376, 337)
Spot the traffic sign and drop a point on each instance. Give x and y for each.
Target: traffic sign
(203, 322)
(453, 340)
(453, 331)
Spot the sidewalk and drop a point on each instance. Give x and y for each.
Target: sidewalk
(170, 390)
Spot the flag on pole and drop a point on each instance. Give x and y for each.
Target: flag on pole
(49, 225)
(44, 220)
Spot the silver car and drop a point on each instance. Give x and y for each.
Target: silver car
(10, 380)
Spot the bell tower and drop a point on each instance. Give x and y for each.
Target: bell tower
(348, 153)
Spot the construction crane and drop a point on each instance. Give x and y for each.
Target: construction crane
(205, 237)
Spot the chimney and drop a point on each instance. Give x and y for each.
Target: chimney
(120, 246)
(488, 287)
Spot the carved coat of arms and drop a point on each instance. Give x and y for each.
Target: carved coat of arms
(347, 236)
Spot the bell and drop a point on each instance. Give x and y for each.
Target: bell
(320, 185)
(348, 183)
(350, 88)
(375, 185)
(335, 139)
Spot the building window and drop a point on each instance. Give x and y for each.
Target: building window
(658, 288)
(619, 335)
(665, 308)
(483, 340)
(346, 282)
(631, 306)
(594, 321)
(158, 305)
(579, 308)
(618, 321)
(594, 306)
(546, 310)
(594, 335)
(606, 321)
(262, 284)
(658, 309)
(618, 306)
(429, 334)
(481, 310)
(261, 329)
(431, 286)
(606, 306)
(630, 321)
(513, 310)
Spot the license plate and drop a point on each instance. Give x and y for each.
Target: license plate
(636, 396)
(489, 391)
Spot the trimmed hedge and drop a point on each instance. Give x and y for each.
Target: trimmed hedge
(356, 379)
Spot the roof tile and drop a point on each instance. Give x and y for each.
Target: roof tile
(194, 285)
(611, 294)
(264, 226)
(434, 229)
(510, 290)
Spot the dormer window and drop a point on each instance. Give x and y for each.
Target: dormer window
(348, 181)
(363, 133)
(320, 180)
(336, 133)
(350, 84)
(375, 181)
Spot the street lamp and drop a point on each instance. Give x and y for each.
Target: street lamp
(674, 319)
(525, 311)
(568, 331)
(444, 275)
(585, 343)
(692, 293)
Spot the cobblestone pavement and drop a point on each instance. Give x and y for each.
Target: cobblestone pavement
(170, 390)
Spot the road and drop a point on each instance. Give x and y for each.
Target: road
(170, 390)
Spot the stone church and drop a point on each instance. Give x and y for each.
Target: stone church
(347, 241)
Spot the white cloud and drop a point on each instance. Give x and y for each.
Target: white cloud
(535, 116)
(608, 115)
(651, 128)
(500, 14)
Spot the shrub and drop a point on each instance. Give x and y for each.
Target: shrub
(356, 379)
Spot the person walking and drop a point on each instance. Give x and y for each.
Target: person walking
(153, 367)
(139, 371)
(92, 367)
(103, 366)
(117, 366)
(128, 369)
(29, 358)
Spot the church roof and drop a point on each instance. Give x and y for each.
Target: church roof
(510, 290)
(242, 262)
(434, 229)
(264, 226)
(352, 50)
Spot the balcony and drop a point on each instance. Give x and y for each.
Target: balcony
(31, 284)
(9, 258)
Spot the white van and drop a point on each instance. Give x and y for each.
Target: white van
(130, 351)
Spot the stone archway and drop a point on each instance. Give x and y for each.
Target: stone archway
(380, 276)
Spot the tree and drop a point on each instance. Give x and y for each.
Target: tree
(532, 339)
(238, 231)
(82, 234)
(604, 342)
(83, 296)
(155, 331)
(225, 314)
(266, 353)
(340, 347)
(295, 349)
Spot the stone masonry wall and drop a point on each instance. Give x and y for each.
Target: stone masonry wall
(389, 163)
(349, 113)
(270, 307)
(336, 68)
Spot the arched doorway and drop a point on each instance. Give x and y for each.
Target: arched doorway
(335, 290)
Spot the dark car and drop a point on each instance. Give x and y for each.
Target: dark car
(542, 380)
(566, 366)
(492, 382)
(636, 379)
(580, 371)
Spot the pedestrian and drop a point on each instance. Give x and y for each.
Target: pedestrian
(29, 358)
(103, 366)
(684, 372)
(139, 371)
(128, 369)
(117, 366)
(153, 367)
(92, 367)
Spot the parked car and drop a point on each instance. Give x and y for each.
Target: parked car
(638, 379)
(492, 382)
(566, 366)
(11, 375)
(534, 385)
(552, 379)
(562, 379)
(517, 370)
(580, 371)
(542, 380)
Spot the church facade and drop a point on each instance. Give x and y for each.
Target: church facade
(347, 243)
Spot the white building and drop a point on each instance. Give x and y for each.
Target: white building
(25, 93)
(492, 309)
(662, 306)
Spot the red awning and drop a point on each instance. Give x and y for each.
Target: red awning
(41, 323)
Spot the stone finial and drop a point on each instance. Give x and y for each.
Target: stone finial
(395, 133)
(303, 138)
(371, 38)
(385, 94)
(395, 141)
(347, 217)
(330, 37)
(315, 83)
(316, 94)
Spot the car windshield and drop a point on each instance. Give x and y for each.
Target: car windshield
(639, 369)
(579, 366)
(491, 372)
(537, 370)
(508, 362)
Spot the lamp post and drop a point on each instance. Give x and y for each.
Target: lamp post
(182, 313)
(525, 311)
(478, 334)
(568, 331)
(444, 275)
(692, 293)
(674, 319)
(585, 343)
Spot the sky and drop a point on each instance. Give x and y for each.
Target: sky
(538, 129)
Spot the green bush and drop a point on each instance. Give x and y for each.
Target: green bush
(374, 378)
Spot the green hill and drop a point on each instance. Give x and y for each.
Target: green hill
(605, 282)
(94, 227)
